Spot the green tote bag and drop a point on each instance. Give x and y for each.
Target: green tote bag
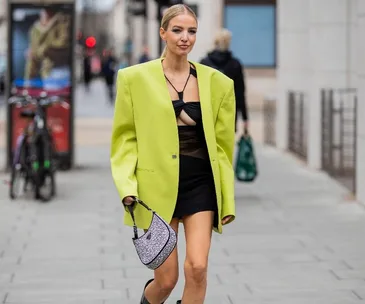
(246, 165)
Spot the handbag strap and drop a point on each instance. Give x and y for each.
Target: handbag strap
(131, 208)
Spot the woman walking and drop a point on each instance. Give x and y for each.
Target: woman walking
(172, 147)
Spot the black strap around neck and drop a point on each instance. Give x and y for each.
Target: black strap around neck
(181, 93)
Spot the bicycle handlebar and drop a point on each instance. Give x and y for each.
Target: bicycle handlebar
(43, 100)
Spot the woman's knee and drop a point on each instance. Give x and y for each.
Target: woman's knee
(167, 284)
(196, 271)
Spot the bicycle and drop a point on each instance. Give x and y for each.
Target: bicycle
(33, 160)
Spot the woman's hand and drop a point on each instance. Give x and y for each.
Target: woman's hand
(227, 219)
(128, 200)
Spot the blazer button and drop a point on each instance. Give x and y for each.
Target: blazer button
(174, 156)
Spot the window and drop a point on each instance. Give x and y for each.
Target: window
(253, 33)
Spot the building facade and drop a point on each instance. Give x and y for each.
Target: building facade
(145, 31)
(320, 47)
(252, 23)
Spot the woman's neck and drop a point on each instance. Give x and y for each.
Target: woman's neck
(176, 64)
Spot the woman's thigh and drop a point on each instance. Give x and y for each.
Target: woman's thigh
(198, 233)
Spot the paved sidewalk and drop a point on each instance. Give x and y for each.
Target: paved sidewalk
(295, 241)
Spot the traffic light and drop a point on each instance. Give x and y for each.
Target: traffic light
(90, 42)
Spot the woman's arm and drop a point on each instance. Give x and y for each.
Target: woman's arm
(124, 143)
(225, 137)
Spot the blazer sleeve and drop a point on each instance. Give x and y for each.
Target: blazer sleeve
(225, 138)
(124, 142)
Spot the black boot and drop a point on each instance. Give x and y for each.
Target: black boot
(144, 300)
(178, 302)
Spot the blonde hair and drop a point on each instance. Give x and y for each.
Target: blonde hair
(222, 40)
(172, 12)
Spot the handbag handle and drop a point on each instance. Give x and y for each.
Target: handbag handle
(131, 208)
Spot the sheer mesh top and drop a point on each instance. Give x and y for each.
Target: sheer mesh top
(191, 137)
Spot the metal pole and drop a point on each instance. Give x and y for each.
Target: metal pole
(130, 32)
(159, 18)
(290, 131)
(324, 129)
(355, 146)
(301, 125)
(8, 90)
(330, 133)
(145, 32)
(341, 143)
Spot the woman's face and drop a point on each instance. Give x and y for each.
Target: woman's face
(180, 35)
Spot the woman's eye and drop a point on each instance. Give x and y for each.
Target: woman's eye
(192, 32)
(176, 30)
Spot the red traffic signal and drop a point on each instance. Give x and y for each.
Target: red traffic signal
(90, 42)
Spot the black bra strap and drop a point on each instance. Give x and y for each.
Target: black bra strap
(193, 72)
(181, 94)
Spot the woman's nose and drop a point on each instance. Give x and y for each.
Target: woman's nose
(184, 36)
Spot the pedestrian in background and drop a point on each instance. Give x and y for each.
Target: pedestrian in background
(222, 59)
(109, 68)
(145, 56)
(87, 70)
(172, 147)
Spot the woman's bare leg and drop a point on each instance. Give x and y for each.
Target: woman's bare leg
(198, 234)
(165, 277)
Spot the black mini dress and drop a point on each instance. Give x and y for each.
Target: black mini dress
(196, 190)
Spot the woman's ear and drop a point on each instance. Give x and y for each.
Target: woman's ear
(162, 33)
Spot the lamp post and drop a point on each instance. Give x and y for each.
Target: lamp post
(128, 43)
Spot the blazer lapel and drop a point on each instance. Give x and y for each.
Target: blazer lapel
(206, 107)
(205, 98)
(157, 72)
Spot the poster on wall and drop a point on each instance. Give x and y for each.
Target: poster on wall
(41, 57)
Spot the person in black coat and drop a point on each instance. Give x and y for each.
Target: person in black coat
(109, 68)
(221, 58)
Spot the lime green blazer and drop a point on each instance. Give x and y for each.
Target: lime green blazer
(145, 144)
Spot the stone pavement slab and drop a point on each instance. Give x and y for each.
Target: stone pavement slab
(295, 240)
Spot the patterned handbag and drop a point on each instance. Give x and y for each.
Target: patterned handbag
(157, 243)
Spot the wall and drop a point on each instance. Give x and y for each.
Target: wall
(210, 18)
(293, 58)
(315, 52)
(118, 26)
(321, 45)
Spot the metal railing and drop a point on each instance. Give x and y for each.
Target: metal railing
(297, 133)
(339, 132)
(269, 109)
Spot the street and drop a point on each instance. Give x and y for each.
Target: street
(297, 238)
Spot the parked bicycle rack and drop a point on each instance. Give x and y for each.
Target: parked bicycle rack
(339, 132)
(269, 108)
(297, 133)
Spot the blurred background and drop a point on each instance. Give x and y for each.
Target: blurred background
(301, 60)
(304, 73)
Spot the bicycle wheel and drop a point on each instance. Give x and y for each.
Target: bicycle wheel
(45, 187)
(17, 182)
(19, 169)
